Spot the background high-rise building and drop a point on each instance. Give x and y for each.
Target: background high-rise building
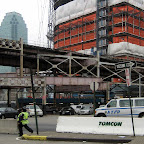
(13, 27)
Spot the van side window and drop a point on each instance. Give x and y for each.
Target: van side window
(125, 103)
(139, 102)
(112, 104)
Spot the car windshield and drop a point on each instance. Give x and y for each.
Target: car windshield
(32, 107)
(85, 107)
(2, 109)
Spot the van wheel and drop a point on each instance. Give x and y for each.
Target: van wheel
(141, 115)
(101, 115)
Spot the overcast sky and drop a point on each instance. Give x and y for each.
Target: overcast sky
(35, 15)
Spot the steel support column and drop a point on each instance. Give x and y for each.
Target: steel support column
(37, 64)
(9, 98)
(21, 58)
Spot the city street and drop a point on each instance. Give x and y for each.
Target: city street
(46, 123)
(12, 139)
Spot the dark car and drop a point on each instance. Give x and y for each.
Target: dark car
(52, 110)
(67, 111)
(8, 112)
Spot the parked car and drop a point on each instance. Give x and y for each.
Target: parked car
(86, 110)
(8, 112)
(67, 111)
(31, 110)
(52, 110)
(101, 106)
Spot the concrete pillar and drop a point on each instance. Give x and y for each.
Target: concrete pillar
(108, 92)
(44, 100)
(9, 98)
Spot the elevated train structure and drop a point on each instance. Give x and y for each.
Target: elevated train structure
(88, 41)
(69, 71)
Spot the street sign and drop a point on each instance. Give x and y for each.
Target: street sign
(123, 65)
(92, 86)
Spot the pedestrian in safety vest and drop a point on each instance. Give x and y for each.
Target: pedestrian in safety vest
(23, 121)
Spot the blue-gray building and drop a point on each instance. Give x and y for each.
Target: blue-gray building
(13, 27)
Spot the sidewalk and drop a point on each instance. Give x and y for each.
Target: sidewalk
(55, 136)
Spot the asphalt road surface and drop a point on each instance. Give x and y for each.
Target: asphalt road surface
(13, 139)
(45, 123)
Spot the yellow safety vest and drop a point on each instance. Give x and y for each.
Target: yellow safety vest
(19, 116)
(25, 118)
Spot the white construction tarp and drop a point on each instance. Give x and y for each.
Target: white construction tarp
(125, 48)
(78, 8)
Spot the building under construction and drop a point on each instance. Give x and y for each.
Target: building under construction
(114, 27)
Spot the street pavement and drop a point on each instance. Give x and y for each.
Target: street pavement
(51, 134)
(53, 137)
(77, 137)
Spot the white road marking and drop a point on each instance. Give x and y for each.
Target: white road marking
(19, 138)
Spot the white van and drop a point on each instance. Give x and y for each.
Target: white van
(121, 107)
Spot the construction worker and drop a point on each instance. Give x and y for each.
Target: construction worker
(23, 121)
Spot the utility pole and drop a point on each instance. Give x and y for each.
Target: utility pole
(34, 102)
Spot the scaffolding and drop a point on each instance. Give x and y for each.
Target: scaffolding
(122, 22)
(77, 34)
(51, 24)
(102, 24)
(127, 24)
(85, 32)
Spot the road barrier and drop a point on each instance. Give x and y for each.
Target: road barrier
(8, 126)
(100, 125)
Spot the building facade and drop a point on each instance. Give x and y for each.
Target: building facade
(115, 26)
(13, 27)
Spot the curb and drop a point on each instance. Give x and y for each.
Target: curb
(33, 137)
(46, 138)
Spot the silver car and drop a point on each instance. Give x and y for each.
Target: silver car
(31, 111)
(86, 110)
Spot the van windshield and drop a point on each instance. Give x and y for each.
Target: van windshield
(112, 103)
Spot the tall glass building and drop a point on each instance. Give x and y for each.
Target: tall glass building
(13, 27)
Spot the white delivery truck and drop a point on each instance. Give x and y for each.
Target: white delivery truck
(121, 108)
